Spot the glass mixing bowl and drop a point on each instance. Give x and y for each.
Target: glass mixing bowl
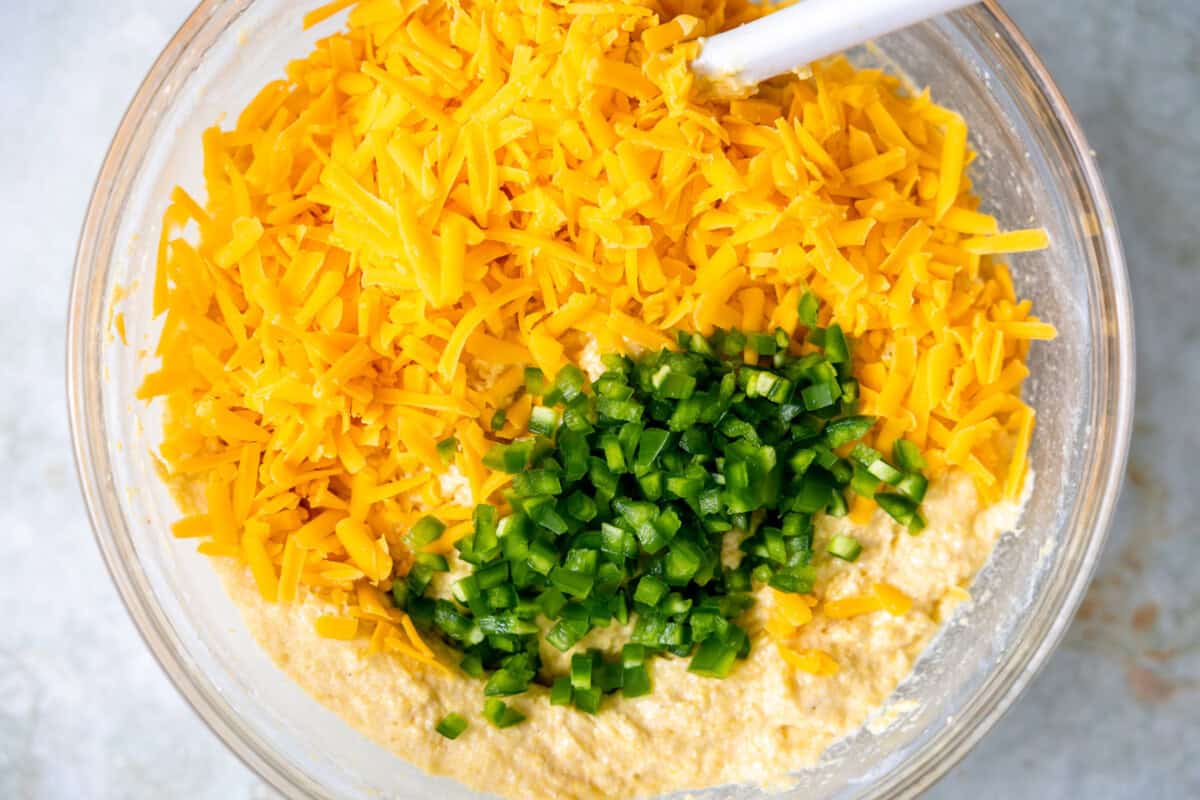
(1034, 167)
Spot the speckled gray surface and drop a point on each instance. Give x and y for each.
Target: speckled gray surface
(86, 713)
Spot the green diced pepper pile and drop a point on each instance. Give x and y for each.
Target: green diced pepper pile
(621, 498)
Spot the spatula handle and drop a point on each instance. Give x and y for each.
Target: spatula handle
(809, 30)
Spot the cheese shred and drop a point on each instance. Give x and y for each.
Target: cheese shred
(444, 189)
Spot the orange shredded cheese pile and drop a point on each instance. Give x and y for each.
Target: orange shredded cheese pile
(446, 191)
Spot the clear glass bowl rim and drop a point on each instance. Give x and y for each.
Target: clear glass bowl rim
(1054, 610)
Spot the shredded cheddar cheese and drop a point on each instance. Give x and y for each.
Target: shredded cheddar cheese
(789, 612)
(447, 189)
(893, 601)
(883, 597)
(814, 662)
(333, 627)
(852, 606)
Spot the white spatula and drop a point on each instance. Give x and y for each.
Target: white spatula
(799, 34)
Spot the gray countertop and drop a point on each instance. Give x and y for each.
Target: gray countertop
(85, 711)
